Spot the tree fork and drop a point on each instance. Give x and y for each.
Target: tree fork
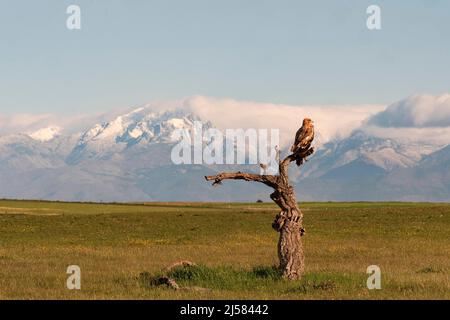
(289, 222)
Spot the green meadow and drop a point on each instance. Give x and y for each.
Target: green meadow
(122, 248)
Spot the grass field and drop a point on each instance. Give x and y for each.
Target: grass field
(120, 248)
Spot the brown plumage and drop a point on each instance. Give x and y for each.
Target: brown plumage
(303, 138)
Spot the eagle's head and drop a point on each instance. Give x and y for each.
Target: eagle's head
(307, 121)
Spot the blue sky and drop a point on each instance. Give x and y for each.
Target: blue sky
(292, 52)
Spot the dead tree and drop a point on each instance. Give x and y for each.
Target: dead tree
(289, 222)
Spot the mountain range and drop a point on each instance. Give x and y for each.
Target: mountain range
(128, 159)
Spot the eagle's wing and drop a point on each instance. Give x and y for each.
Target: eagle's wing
(296, 141)
(308, 136)
(298, 138)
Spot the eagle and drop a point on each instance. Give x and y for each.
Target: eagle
(303, 138)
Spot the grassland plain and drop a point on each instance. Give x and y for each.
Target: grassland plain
(121, 247)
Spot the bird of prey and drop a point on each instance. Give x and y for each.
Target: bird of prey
(303, 138)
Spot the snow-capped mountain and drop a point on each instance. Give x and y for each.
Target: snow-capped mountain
(29, 151)
(46, 134)
(361, 148)
(139, 126)
(128, 159)
(137, 130)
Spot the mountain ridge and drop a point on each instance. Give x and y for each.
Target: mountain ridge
(128, 159)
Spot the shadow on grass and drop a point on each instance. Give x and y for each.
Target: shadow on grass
(326, 282)
(430, 270)
(308, 286)
(261, 278)
(224, 278)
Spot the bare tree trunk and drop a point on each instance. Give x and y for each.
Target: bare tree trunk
(289, 222)
(290, 251)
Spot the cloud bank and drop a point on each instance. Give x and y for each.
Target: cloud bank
(417, 111)
(26, 123)
(331, 121)
(423, 119)
(419, 118)
(22, 122)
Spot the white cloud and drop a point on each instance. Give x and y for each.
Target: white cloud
(416, 111)
(27, 123)
(423, 119)
(21, 122)
(331, 121)
(418, 118)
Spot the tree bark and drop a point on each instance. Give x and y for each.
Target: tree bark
(289, 221)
